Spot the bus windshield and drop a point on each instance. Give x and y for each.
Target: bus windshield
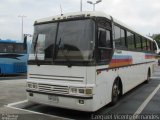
(65, 41)
(12, 48)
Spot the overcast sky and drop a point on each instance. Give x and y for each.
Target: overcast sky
(142, 15)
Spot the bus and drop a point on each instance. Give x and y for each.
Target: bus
(86, 60)
(13, 57)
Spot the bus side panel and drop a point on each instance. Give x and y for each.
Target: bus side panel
(132, 76)
(104, 83)
(136, 73)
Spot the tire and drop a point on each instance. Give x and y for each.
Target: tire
(115, 92)
(0, 73)
(148, 76)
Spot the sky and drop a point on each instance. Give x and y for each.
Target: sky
(142, 15)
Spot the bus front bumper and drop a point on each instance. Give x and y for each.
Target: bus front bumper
(63, 101)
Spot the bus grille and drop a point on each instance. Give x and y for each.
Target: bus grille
(20, 67)
(57, 89)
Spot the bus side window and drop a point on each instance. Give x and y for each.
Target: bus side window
(104, 44)
(144, 43)
(154, 47)
(120, 41)
(138, 42)
(130, 40)
(148, 46)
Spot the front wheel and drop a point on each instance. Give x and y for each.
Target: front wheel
(115, 92)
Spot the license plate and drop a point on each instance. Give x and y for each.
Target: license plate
(53, 98)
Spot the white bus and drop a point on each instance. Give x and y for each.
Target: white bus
(85, 60)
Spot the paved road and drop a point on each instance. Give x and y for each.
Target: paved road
(132, 102)
(12, 91)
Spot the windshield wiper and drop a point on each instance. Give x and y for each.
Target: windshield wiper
(61, 47)
(35, 51)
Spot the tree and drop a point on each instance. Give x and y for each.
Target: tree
(157, 39)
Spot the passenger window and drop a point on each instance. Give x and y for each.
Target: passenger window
(144, 43)
(138, 42)
(123, 40)
(119, 37)
(148, 46)
(151, 46)
(130, 41)
(154, 47)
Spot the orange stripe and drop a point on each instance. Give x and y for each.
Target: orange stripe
(118, 64)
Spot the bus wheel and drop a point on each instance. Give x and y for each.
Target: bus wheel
(0, 73)
(115, 92)
(148, 76)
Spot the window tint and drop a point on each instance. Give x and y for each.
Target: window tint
(151, 46)
(138, 42)
(44, 38)
(104, 45)
(104, 23)
(154, 46)
(123, 42)
(12, 48)
(75, 39)
(119, 37)
(148, 46)
(130, 40)
(108, 38)
(104, 55)
(144, 43)
(104, 38)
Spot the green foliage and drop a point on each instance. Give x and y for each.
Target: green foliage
(157, 38)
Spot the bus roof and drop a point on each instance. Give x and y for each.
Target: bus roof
(9, 41)
(88, 14)
(73, 15)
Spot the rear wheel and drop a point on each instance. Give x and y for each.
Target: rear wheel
(148, 76)
(0, 73)
(115, 92)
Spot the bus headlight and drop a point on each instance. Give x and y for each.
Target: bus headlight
(32, 85)
(73, 90)
(81, 91)
(29, 85)
(89, 91)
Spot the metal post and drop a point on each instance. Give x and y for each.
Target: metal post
(22, 29)
(61, 10)
(81, 5)
(94, 4)
(94, 7)
(22, 16)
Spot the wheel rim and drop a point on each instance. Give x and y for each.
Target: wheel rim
(115, 90)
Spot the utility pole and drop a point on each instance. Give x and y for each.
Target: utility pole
(81, 5)
(22, 17)
(61, 10)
